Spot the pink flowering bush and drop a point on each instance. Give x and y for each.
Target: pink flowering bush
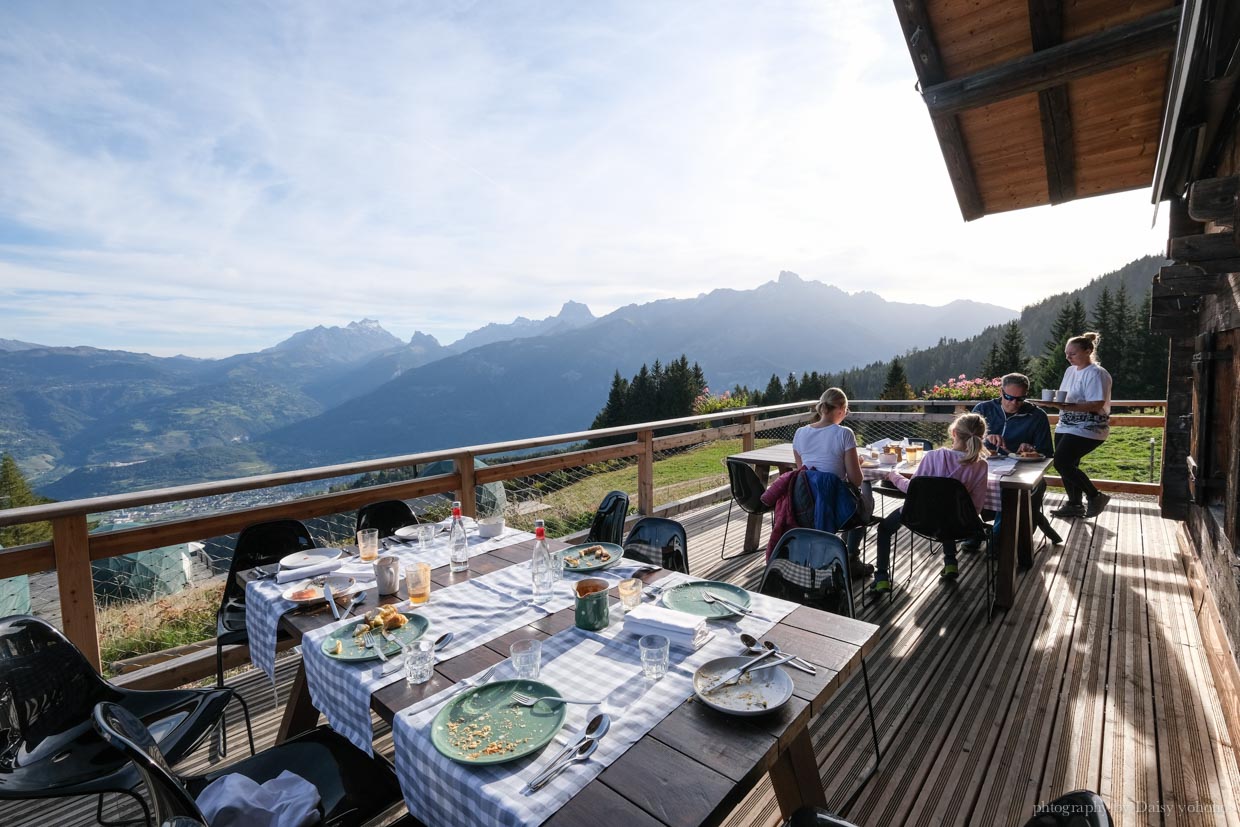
(705, 403)
(965, 389)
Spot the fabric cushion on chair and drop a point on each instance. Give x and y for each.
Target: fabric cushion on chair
(353, 788)
(48, 689)
(660, 541)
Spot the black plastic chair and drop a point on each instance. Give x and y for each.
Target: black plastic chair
(353, 788)
(386, 516)
(608, 525)
(48, 747)
(1081, 808)
(262, 544)
(660, 541)
(747, 490)
(804, 566)
(939, 509)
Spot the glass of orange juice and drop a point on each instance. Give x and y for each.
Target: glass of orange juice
(418, 582)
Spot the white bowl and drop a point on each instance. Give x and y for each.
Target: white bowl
(888, 459)
(491, 527)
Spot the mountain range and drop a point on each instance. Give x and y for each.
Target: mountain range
(83, 421)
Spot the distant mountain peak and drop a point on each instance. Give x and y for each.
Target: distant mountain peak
(571, 316)
(575, 312)
(789, 277)
(354, 341)
(420, 339)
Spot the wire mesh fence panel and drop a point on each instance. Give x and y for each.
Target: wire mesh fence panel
(567, 498)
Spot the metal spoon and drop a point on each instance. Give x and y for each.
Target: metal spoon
(443, 640)
(751, 645)
(357, 598)
(583, 753)
(596, 728)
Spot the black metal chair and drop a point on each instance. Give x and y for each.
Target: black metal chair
(940, 509)
(353, 788)
(386, 516)
(262, 544)
(804, 566)
(747, 490)
(48, 747)
(660, 541)
(608, 525)
(1081, 808)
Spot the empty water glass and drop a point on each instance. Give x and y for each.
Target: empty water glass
(419, 661)
(630, 592)
(526, 658)
(426, 535)
(654, 656)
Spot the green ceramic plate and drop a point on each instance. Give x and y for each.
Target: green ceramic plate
(459, 730)
(688, 597)
(354, 650)
(591, 562)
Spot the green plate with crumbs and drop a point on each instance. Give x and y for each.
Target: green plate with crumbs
(485, 725)
(691, 598)
(354, 650)
(576, 559)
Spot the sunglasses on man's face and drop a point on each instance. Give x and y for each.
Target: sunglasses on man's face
(1011, 398)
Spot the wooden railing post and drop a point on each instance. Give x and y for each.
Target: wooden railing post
(645, 473)
(750, 429)
(468, 494)
(71, 545)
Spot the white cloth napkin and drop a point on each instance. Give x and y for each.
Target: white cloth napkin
(288, 575)
(357, 570)
(679, 628)
(233, 800)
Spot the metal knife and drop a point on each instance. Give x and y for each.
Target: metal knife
(733, 674)
(749, 667)
(331, 601)
(737, 607)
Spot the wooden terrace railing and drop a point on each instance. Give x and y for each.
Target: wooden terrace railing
(73, 547)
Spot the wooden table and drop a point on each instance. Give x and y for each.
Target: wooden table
(696, 765)
(1015, 543)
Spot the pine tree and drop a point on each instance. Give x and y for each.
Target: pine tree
(640, 402)
(896, 386)
(992, 367)
(1051, 364)
(16, 493)
(792, 389)
(1150, 354)
(1118, 349)
(774, 393)
(614, 412)
(1104, 318)
(1011, 351)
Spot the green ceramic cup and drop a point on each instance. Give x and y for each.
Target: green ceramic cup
(592, 609)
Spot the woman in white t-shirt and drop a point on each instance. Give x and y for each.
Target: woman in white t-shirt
(826, 445)
(1084, 423)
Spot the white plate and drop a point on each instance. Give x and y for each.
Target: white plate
(339, 586)
(407, 532)
(756, 693)
(469, 522)
(309, 558)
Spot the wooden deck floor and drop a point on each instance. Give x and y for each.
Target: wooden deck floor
(1095, 678)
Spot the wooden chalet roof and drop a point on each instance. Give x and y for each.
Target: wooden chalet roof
(1042, 101)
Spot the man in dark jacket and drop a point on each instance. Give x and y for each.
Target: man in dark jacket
(1013, 425)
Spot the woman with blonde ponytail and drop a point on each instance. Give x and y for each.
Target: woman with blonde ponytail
(964, 461)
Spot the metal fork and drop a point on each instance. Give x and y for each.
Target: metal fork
(369, 637)
(530, 700)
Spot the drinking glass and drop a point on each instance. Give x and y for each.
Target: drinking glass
(418, 582)
(630, 592)
(526, 658)
(426, 535)
(419, 661)
(654, 656)
(368, 544)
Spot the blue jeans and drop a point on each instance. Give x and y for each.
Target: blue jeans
(886, 530)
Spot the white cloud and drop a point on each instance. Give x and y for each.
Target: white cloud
(210, 179)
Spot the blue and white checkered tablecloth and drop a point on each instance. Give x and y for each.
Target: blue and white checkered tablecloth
(264, 606)
(606, 665)
(476, 611)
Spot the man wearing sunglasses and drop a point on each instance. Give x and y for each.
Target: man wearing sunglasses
(1013, 425)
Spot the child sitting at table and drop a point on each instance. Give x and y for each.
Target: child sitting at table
(964, 461)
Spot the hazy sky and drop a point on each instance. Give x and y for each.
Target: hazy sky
(208, 178)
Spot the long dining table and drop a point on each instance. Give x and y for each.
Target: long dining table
(695, 765)
(1013, 484)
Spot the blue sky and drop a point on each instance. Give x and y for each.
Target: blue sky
(209, 178)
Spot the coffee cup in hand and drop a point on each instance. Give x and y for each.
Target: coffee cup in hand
(1048, 394)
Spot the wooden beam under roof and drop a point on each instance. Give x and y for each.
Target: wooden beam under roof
(1046, 31)
(1053, 66)
(919, 36)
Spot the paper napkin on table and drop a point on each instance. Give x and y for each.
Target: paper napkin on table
(288, 575)
(679, 628)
